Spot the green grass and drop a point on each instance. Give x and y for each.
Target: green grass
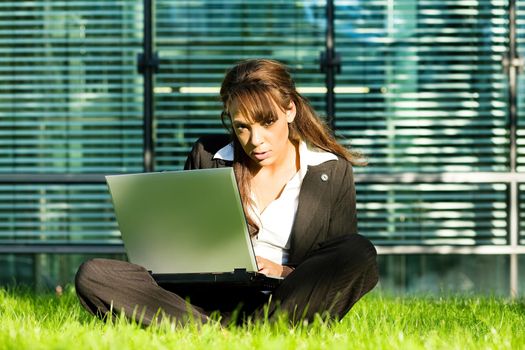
(29, 321)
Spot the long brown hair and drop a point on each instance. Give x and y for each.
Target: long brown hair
(253, 88)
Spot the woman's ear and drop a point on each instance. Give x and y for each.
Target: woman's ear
(290, 113)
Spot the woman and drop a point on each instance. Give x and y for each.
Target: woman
(298, 193)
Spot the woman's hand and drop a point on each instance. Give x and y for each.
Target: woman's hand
(269, 268)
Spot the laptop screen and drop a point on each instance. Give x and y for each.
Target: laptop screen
(183, 221)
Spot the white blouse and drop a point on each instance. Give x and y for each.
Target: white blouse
(276, 221)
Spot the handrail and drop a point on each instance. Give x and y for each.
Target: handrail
(381, 178)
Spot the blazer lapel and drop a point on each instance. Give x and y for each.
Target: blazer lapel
(314, 188)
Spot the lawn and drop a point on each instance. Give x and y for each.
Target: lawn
(46, 321)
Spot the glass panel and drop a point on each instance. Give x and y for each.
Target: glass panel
(70, 102)
(520, 38)
(70, 98)
(44, 271)
(429, 214)
(521, 211)
(422, 86)
(422, 89)
(437, 274)
(198, 41)
(60, 214)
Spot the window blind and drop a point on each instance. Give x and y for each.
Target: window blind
(57, 214)
(70, 98)
(430, 214)
(423, 89)
(427, 91)
(520, 40)
(70, 102)
(199, 40)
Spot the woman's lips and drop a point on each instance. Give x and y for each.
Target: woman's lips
(261, 155)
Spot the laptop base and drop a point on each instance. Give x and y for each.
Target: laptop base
(239, 278)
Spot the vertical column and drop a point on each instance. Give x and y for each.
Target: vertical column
(513, 64)
(148, 64)
(330, 64)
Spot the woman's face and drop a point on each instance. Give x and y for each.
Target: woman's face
(266, 144)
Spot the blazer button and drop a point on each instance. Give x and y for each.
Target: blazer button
(324, 177)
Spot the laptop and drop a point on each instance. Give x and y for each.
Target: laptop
(187, 228)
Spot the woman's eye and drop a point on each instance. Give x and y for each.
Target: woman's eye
(268, 123)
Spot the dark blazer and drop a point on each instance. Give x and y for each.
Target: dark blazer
(326, 207)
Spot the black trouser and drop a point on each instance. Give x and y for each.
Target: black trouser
(329, 281)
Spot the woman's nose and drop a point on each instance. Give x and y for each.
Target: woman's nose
(256, 137)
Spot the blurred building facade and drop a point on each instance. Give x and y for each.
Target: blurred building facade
(426, 89)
